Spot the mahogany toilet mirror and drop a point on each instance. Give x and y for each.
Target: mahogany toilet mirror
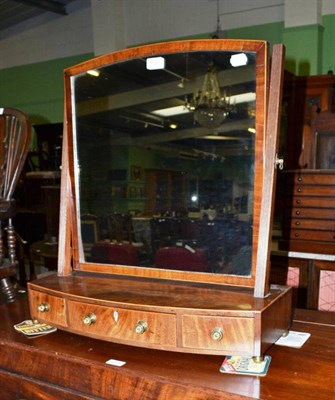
(168, 166)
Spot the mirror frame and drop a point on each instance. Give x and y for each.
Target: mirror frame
(69, 246)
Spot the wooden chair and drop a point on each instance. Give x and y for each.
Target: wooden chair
(15, 130)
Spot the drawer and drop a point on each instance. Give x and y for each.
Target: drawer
(202, 332)
(48, 308)
(313, 190)
(314, 179)
(316, 213)
(309, 201)
(325, 236)
(319, 224)
(122, 324)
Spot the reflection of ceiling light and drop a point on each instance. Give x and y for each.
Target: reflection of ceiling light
(210, 107)
(252, 130)
(219, 137)
(238, 60)
(242, 98)
(145, 123)
(168, 112)
(178, 110)
(154, 63)
(93, 72)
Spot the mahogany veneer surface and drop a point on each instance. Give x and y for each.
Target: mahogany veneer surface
(178, 317)
(62, 365)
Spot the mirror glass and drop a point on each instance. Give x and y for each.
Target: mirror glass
(164, 155)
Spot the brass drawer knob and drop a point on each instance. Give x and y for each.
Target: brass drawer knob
(297, 212)
(90, 319)
(141, 327)
(217, 334)
(43, 307)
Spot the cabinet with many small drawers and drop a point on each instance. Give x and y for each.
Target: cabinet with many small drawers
(309, 224)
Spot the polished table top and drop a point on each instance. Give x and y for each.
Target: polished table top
(79, 365)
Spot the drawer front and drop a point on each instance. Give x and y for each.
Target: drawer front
(123, 324)
(45, 307)
(314, 190)
(316, 213)
(305, 201)
(314, 179)
(201, 332)
(319, 224)
(325, 236)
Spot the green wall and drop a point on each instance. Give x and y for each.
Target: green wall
(328, 45)
(37, 89)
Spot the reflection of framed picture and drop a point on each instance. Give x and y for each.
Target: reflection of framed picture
(136, 173)
(325, 150)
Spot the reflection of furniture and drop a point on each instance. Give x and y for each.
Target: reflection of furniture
(89, 232)
(114, 253)
(183, 258)
(310, 207)
(119, 226)
(165, 190)
(67, 366)
(14, 139)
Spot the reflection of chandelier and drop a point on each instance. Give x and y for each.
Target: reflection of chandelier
(209, 106)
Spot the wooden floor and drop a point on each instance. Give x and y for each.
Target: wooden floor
(66, 366)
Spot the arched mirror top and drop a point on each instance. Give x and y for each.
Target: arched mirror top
(165, 152)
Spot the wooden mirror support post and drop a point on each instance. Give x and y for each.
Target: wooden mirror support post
(220, 309)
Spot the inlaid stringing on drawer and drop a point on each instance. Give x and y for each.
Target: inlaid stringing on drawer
(48, 308)
(220, 333)
(123, 324)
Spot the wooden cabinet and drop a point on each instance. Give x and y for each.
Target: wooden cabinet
(165, 190)
(303, 97)
(310, 211)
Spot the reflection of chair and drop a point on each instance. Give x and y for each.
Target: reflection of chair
(190, 229)
(181, 258)
(165, 231)
(120, 227)
(114, 253)
(89, 233)
(14, 138)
